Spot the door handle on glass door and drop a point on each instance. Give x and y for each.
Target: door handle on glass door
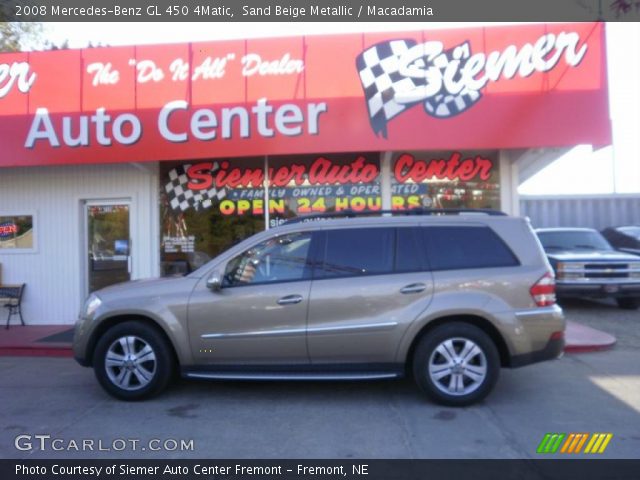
(413, 288)
(290, 300)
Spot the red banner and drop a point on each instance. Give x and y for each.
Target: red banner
(484, 88)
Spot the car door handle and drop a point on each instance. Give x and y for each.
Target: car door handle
(413, 288)
(290, 300)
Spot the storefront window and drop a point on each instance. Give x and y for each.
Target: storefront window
(197, 219)
(16, 232)
(455, 179)
(209, 205)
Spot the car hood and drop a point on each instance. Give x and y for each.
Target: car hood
(148, 286)
(591, 256)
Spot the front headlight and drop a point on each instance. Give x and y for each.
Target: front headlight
(570, 270)
(91, 305)
(570, 266)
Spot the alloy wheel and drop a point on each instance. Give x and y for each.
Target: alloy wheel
(458, 366)
(130, 363)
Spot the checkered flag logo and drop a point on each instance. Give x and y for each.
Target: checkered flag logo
(181, 197)
(388, 92)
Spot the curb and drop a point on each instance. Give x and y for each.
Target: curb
(581, 339)
(64, 352)
(587, 348)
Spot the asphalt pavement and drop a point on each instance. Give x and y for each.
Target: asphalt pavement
(587, 392)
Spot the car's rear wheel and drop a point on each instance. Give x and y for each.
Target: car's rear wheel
(628, 303)
(456, 364)
(133, 361)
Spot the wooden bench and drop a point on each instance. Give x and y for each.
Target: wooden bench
(11, 299)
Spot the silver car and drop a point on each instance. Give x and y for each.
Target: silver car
(448, 299)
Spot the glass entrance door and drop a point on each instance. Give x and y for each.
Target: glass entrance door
(108, 244)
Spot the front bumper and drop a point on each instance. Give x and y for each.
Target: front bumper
(597, 289)
(80, 337)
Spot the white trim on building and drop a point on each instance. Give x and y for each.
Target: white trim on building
(54, 271)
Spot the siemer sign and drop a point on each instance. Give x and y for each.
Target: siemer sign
(222, 96)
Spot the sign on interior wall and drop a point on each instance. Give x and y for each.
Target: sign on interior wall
(178, 244)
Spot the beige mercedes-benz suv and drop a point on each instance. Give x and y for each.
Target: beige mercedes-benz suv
(448, 299)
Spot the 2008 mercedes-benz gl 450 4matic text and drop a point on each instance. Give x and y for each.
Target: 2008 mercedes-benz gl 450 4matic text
(449, 299)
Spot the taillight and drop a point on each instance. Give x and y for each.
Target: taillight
(557, 335)
(544, 290)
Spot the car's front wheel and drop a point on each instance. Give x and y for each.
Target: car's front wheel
(132, 361)
(456, 364)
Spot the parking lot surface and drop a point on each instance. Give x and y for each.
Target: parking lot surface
(587, 392)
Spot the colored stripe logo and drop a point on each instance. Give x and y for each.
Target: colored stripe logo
(594, 443)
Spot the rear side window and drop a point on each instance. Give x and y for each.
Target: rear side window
(453, 248)
(362, 251)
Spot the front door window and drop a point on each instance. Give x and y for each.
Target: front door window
(279, 259)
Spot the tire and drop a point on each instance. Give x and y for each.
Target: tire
(127, 377)
(438, 382)
(628, 303)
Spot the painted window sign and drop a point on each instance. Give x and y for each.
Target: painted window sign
(446, 179)
(320, 171)
(408, 168)
(300, 95)
(16, 232)
(300, 184)
(320, 184)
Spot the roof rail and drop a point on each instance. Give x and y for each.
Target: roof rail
(413, 211)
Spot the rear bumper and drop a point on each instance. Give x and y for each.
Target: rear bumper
(552, 350)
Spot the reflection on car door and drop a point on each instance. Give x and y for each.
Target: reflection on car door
(364, 296)
(259, 315)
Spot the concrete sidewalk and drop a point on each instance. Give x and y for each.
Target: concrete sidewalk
(28, 341)
(581, 338)
(32, 340)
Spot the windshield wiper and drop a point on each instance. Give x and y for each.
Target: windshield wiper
(588, 247)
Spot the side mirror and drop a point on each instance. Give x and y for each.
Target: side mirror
(214, 282)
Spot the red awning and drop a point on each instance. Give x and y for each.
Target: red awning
(518, 86)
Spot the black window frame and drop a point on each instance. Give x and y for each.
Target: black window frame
(422, 258)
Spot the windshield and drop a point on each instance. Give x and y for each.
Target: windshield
(573, 240)
(631, 231)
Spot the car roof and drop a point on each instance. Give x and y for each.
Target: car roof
(565, 229)
(368, 220)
